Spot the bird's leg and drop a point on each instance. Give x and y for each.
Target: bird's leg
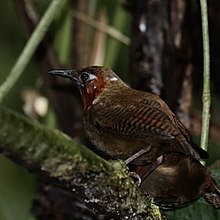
(136, 155)
(152, 167)
(132, 158)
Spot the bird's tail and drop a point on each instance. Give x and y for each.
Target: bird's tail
(212, 194)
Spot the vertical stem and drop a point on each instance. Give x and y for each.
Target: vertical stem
(206, 76)
(30, 47)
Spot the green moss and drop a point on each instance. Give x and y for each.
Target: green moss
(101, 184)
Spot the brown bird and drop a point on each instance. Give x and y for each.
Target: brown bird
(139, 127)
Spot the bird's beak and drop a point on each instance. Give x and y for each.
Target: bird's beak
(70, 74)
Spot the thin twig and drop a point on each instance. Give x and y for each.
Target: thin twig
(31, 12)
(206, 77)
(30, 47)
(102, 27)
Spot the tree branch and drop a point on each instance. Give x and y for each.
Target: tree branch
(105, 187)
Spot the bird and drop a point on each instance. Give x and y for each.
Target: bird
(139, 127)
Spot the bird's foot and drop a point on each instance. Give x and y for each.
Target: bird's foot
(136, 177)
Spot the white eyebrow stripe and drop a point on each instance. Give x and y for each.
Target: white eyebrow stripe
(114, 78)
(91, 77)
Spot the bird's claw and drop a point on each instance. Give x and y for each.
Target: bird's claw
(136, 177)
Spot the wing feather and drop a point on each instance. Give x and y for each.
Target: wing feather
(143, 119)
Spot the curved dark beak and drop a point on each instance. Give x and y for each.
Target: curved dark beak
(70, 74)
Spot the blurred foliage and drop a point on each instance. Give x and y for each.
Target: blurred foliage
(17, 186)
(12, 41)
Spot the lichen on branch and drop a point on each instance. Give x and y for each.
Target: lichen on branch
(104, 186)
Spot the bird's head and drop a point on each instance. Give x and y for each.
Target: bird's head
(91, 81)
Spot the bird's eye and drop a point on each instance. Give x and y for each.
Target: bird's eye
(84, 76)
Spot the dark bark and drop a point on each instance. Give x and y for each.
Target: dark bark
(80, 36)
(160, 52)
(214, 30)
(214, 18)
(147, 44)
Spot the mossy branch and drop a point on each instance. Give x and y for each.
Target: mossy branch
(104, 186)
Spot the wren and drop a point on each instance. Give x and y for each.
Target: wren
(139, 127)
